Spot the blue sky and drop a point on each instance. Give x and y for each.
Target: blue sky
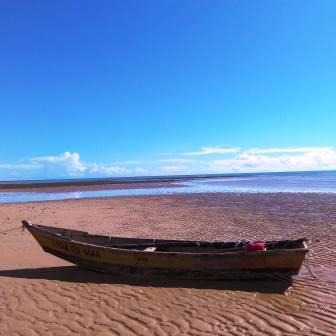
(129, 87)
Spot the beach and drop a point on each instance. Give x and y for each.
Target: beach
(43, 295)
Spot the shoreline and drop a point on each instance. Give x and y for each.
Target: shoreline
(158, 195)
(172, 195)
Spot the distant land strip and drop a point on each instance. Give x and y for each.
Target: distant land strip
(28, 184)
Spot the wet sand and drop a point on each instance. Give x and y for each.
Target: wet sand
(43, 295)
(103, 184)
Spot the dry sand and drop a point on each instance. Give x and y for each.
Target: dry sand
(43, 295)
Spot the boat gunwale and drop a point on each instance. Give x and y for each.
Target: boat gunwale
(242, 252)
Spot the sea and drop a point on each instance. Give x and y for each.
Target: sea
(290, 182)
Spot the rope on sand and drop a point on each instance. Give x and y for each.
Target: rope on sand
(13, 229)
(307, 264)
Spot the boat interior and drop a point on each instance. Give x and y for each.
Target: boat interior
(161, 245)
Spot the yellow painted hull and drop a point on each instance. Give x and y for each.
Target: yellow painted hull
(230, 265)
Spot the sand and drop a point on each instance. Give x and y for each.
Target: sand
(43, 295)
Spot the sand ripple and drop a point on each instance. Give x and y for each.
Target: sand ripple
(41, 295)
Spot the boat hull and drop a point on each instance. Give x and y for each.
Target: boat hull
(230, 265)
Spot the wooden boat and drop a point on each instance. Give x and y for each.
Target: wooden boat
(171, 258)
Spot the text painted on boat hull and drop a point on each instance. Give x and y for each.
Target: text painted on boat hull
(75, 249)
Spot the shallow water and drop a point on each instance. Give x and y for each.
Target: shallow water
(308, 182)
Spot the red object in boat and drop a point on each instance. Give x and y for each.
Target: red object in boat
(256, 246)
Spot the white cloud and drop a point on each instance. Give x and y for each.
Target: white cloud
(104, 170)
(58, 166)
(128, 162)
(66, 163)
(70, 165)
(12, 166)
(176, 160)
(286, 150)
(140, 170)
(174, 169)
(316, 158)
(213, 150)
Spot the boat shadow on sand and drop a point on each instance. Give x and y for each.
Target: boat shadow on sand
(75, 274)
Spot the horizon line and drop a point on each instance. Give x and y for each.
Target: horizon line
(144, 178)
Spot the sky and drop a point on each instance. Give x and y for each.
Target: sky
(128, 88)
